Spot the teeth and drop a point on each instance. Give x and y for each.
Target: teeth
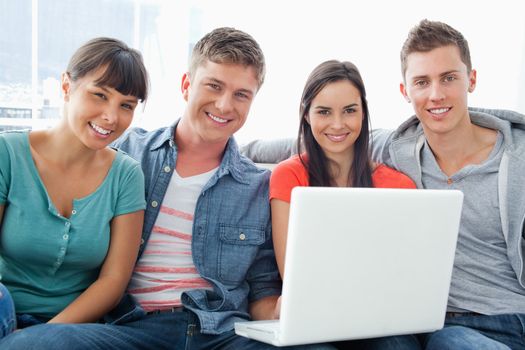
(439, 110)
(99, 129)
(217, 119)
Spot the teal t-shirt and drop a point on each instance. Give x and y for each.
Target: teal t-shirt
(46, 260)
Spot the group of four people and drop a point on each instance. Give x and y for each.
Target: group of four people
(214, 225)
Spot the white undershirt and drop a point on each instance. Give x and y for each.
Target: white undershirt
(166, 267)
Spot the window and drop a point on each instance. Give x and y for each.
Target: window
(15, 64)
(37, 37)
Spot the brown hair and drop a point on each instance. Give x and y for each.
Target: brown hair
(317, 163)
(228, 45)
(125, 71)
(429, 35)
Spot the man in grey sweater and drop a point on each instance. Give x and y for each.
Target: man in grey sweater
(481, 152)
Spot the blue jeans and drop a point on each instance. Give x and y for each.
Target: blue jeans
(27, 320)
(7, 312)
(498, 332)
(399, 342)
(177, 330)
(479, 332)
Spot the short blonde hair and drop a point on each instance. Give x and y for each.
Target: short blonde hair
(228, 45)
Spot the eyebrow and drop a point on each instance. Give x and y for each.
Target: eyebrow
(449, 72)
(441, 75)
(215, 80)
(129, 100)
(220, 82)
(347, 106)
(134, 100)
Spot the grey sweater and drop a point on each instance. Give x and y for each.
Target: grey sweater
(400, 149)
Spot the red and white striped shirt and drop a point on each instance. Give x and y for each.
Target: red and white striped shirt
(166, 267)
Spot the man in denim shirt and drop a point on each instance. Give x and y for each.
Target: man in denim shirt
(206, 259)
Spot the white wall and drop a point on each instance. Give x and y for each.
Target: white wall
(296, 36)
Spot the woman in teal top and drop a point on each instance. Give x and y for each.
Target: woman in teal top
(71, 208)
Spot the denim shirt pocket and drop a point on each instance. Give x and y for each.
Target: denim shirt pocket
(239, 246)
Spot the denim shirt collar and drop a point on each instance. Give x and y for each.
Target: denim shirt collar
(166, 136)
(231, 162)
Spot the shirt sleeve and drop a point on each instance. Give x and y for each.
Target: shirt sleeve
(285, 176)
(263, 275)
(131, 190)
(385, 177)
(380, 140)
(5, 170)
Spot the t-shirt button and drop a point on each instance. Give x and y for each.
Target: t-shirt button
(73, 212)
(242, 236)
(154, 204)
(66, 236)
(167, 169)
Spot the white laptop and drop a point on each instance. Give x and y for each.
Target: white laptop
(363, 263)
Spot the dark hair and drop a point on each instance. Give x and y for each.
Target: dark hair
(317, 163)
(228, 45)
(125, 71)
(429, 35)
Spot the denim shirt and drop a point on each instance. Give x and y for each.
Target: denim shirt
(231, 244)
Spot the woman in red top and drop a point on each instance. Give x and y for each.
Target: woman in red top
(333, 138)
